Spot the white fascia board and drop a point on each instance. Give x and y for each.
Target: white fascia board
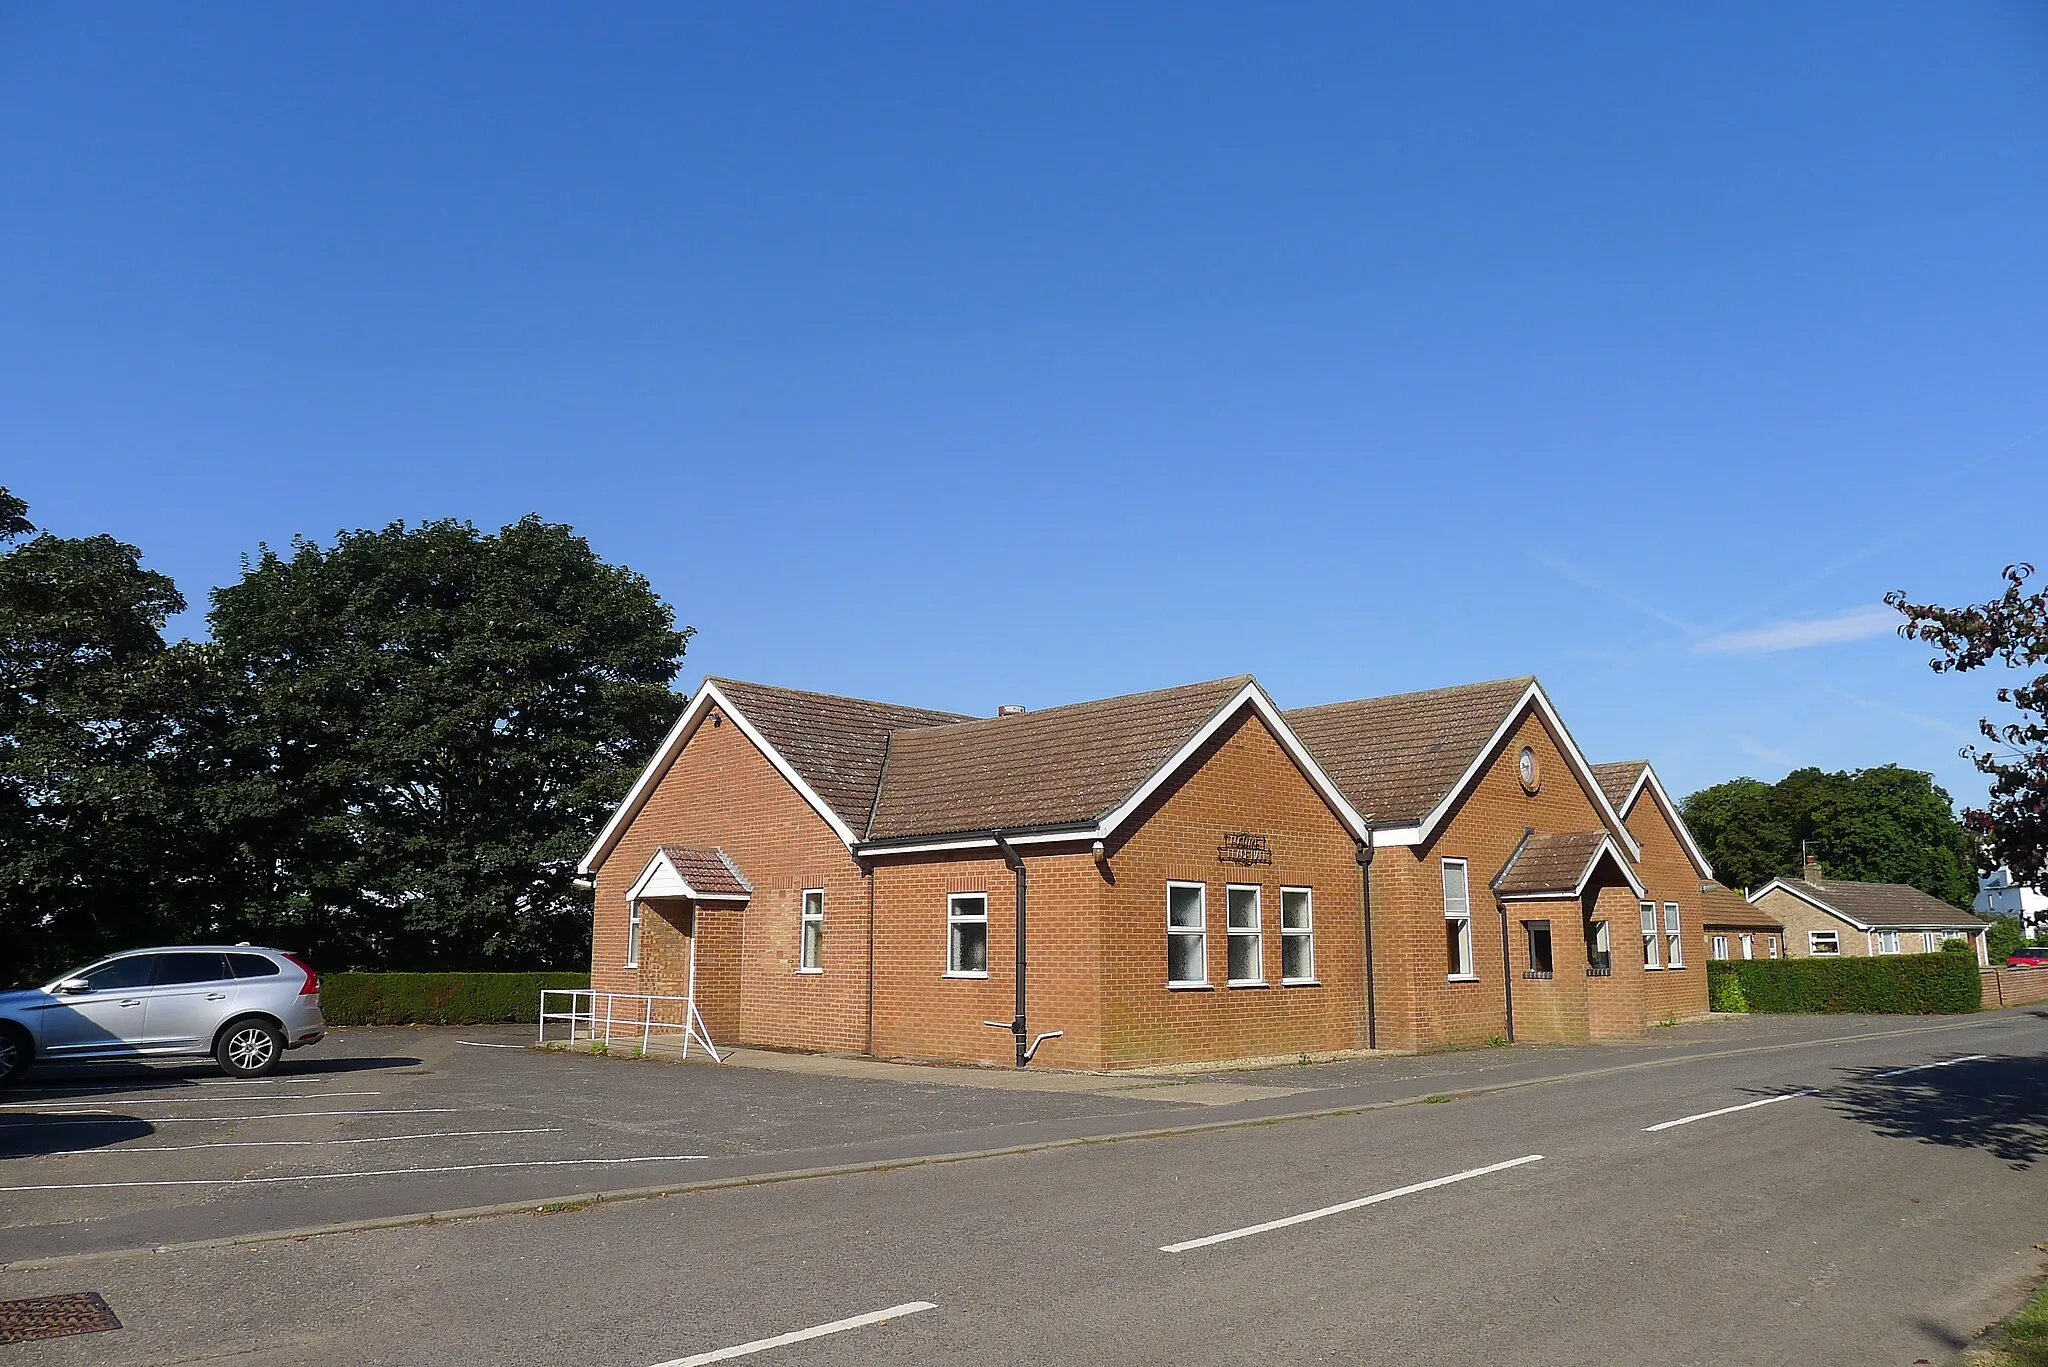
(875, 849)
(1535, 695)
(1608, 847)
(661, 878)
(1537, 896)
(1648, 779)
(1256, 697)
(1811, 901)
(1386, 836)
(679, 735)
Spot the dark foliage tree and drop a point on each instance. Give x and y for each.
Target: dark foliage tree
(426, 727)
(2013, 630)
(1882, 825)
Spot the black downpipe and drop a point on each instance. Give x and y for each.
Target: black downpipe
(1372, 1021)
(1018, 1027)
(1507, 968)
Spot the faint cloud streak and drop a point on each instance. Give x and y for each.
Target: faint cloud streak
(1857, 624)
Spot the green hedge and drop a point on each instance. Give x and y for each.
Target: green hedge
(1893, 984)
(437, 998)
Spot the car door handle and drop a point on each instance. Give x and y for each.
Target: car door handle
(216, 996)
(132, 1001)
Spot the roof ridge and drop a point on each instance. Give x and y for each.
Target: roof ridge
(1239, 680)
(723, 679)
(1523, 680)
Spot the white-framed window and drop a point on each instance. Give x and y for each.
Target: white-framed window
(1770, 946)
(1457, 921)
(1187, 935)
(1541, 964)
(811, 927)
(1887, 942)
(967, 935)
(1674, 942)
(1297, 935)
(1823, 943)
(633, 933)
(1717, 947)
(1652, 953)
(1246, 933)
(1930, 942)
(1748, 946)
(1599, 951)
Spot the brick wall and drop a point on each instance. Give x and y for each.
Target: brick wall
(1800, 916)
(2014, 986)
(1669, 875)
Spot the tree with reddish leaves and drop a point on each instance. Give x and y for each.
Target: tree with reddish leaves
(2012, 629)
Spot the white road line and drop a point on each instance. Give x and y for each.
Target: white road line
(740, 1350)
(374, 1172)
(170, 1101)
(478, 1044)
(114, 1118)
(284, 1143)
(1923, 1067)
(1341, 1208)
(1725, 1110)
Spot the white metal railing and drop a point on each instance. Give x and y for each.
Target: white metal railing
(610, 1018)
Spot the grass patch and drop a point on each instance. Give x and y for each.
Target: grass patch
(2023, 1341)
(1434, 1098)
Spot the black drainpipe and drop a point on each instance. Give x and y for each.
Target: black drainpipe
(1017, 1026)
(1372, 1023)
(1507, 967)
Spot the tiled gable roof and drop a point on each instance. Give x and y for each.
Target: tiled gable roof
(1884, 904)
(709, 872)
(1396, 758)
(1549, 861)
(1616, 779)
(1724, 908)
(835, 743)
(1060, 766)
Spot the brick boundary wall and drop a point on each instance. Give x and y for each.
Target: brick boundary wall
(2014, 986)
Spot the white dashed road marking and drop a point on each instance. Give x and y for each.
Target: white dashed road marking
(1341, 1208)
(1725, 1110)
(741, 1350)
(1923, 1067)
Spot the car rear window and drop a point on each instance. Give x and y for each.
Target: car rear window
(253, 966)
(173, 970)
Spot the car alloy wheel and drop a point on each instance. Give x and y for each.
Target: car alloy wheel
(251, 1048)
(10, 1056)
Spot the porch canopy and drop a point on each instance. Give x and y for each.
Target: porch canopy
(702, 874)
(1556, 865)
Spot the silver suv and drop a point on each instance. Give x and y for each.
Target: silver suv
(242, 1005)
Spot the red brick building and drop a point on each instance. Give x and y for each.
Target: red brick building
(1196, 874)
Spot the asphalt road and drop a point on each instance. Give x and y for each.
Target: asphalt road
(1848, 1213)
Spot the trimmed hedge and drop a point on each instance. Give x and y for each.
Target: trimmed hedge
(437, 998)
(1892, 984)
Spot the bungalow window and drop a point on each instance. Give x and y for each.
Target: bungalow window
(1246, 935)
(1674, 941)
(1538, 935)
(1599, 951)
(1823, 943)
(1457, 922)
(1187, 935)
(1297, 935)
(1652, 957)
(1717, 947)
(811, 950)
(1887, 942)
(1749, 946)
(633, 934)
(1930, 942)
(967, 935)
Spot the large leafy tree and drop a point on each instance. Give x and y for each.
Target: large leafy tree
(2011, 629)
(1882, 825)
(426, 726)
(100, 841)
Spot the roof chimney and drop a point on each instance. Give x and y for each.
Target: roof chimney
(1010, 709)
(1812, 871)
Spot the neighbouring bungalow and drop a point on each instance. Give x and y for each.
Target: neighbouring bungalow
(1182, 875)
(1825, 917)
(1735, 929)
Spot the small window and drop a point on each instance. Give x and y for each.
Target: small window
(1652, 954)
(1673, 940)
(1717, 947)
(1823, 943)
(1770, 946)
(967, 935)
(1749, 946)
(1538, 933)
(1297, 935)
(1457, 921)
(633, 934)
(811, 952)
(1246, 935)
(253, 965)
(1187, 935)
(1887, 942)
(121, 975)
(1929, 942)
(176, 970)
(1599, 950)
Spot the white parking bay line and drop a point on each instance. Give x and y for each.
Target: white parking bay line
(53, 1118)
(171, 1101)
(1342, 1207)
(337, 1176)
(291, 1143)
(479, 1044)
(740, 1350)
(1923, 1067)
(1725, 1110)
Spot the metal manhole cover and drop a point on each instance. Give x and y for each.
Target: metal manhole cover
(54, 1317)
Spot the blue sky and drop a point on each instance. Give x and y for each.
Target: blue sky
(964, 355)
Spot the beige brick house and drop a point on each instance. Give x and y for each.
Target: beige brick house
(1179, 875)
(1825, 917)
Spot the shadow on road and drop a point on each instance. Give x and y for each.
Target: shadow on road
(26, 1134)
(53, 1082)
(1999, 1105)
